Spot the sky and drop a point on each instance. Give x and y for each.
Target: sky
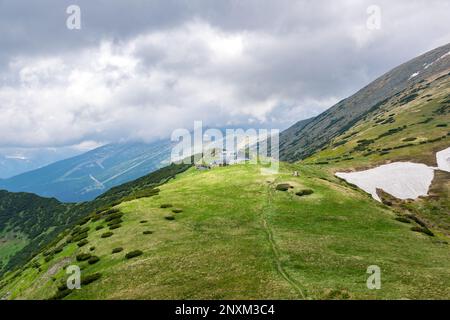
(137, 70)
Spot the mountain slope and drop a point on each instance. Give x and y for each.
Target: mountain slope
(15, 161)
(29, 222)
(235, 236)
(86, 176)
(317, 133)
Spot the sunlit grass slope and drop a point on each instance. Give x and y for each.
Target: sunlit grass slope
(234, 236)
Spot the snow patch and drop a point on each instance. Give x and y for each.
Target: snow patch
(415, 74)
(403, 180)
(443, 160)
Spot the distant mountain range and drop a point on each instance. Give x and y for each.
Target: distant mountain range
(86, 176)
(15, 161)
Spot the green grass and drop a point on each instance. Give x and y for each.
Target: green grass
(239, 238)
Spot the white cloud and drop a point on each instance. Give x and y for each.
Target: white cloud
(222, 65)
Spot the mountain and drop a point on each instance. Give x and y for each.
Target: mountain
(240, 232)
(233, 233)
(86, 176)
(15, 161)
(29, 222)
(28, 219)
(315, 134)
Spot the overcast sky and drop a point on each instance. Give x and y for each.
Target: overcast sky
(140, 69)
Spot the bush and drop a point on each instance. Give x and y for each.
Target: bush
(117, 250)
(115, 221)
(61, 294)
(84, 221)
(58, 249)
(90, 278)
(83, 256)
(93, 260)
(113, 216)
(177, 210)
(143, 221)
(170, 218)
(80, 237)
(147, 232)
(48, 258)
(107, 234)
(166, 205)
(441, 125)
(402, 219)
(304, 192)
(115, 226)
(92, 248)
(423, 230)
(82, 243)
(78, 230)
(133, 254)
(110, 211)
(99, 227)
(410, 139)
(283, 187)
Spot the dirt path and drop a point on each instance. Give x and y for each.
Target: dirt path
(273, 245)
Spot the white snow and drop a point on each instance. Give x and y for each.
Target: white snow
(403, 180)
(443, 160)
(415, 74)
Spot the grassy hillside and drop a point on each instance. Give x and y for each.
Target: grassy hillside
(29, 222)
(411, 126)
(234, 235)
(305, 139)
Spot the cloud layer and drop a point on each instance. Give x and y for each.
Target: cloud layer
(140, 70)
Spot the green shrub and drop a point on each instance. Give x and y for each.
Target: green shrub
(80, 237)
(110, 211)
(283, 187)
(93, 260)
(92, 248)
(166, 205)
(117, 250)
(82, 243)
(115, 221)
(84, 221)
(147, 232)
(99, 227)
(177, 210)
(143, 221)
(115, 226)
(95, 218)
(90, 278)
(410, 139)
(402, 219)
(304, 192)
(58, 249)
(423, 230)
(61, 294)
(107, 234)
(441, 125)
(113, 216)
(170, 218)
(83, 256)
(133, 254)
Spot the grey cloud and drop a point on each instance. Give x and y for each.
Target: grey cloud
(168, 63)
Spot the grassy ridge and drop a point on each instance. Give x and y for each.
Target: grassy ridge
(238, 237)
